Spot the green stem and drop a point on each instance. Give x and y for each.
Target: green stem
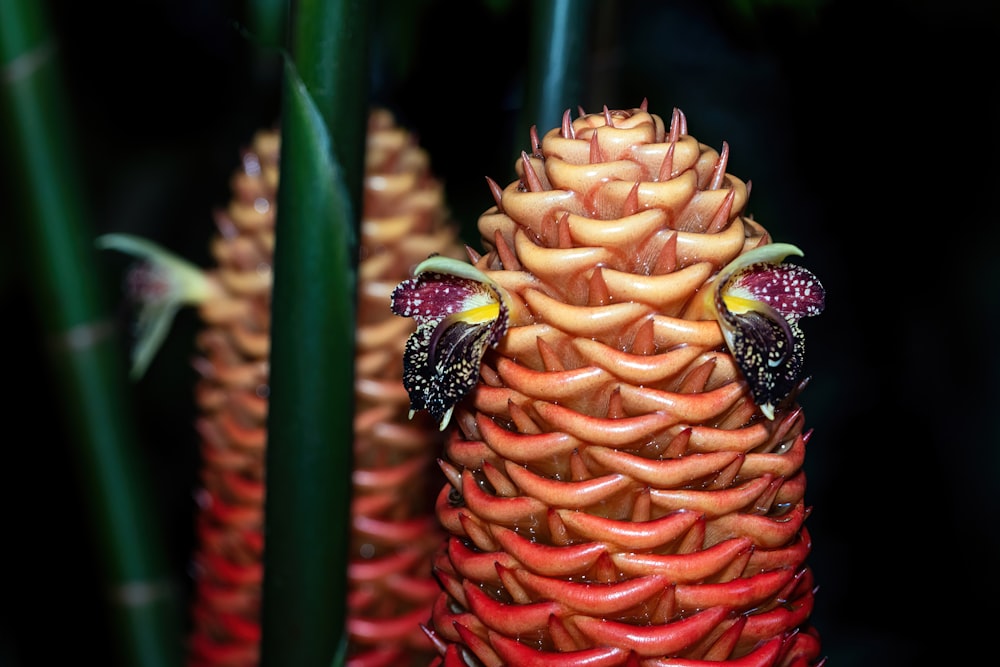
(556, 63)
(266, 21)
(87, 367)
(310, 422)
(330, 46)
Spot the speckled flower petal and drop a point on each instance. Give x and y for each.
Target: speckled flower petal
(460, 313)
(759, 302)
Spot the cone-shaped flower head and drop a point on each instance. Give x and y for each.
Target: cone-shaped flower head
(624, 476)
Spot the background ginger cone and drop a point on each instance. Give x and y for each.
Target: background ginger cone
(395, 532)
(231, 397)
(615, 495)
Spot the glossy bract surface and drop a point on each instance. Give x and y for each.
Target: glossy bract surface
(618, 492)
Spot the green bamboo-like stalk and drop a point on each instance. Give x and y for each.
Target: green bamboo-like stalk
(267, 21)
(330, 47)
(267, 30)
(87, 369)
(557, 60)
(310, 422)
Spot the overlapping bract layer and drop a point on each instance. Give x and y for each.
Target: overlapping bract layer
(614, 494)
(231, 396)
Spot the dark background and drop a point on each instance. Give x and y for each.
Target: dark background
(868, 130)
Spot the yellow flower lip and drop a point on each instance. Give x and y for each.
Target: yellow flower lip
(758, 302)
(481, 314)
(460, 313)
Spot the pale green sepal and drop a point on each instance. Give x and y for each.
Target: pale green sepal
(452, 266)
(772, 253)
(188, 285)
(187, 280)
(150, 331)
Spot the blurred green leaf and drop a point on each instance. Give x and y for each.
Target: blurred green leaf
(88, 373)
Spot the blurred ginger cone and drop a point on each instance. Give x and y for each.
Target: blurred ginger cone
(625, 481)
(395, 532)
(231, 397)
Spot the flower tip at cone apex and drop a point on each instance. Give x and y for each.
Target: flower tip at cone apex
(460, 313)
(758, 302)
(161, 283)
